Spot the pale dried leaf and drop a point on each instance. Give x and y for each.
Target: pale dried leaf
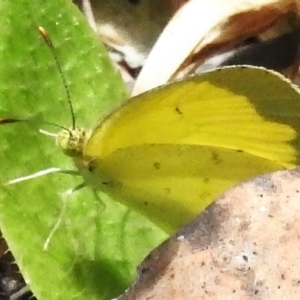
(202, 27)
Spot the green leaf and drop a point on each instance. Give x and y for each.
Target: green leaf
(92, 254)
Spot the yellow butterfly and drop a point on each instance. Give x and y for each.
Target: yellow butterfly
(169, 152)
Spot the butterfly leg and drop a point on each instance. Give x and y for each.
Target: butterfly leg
(62, 213)
(68, 193)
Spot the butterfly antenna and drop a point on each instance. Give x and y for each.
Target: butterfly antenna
(47, 39)
(61, 127)
(9, 120)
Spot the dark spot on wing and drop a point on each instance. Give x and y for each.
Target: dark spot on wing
(178, 110)
(157, 165)
(206, 180)
(216, 158)
(167, 191)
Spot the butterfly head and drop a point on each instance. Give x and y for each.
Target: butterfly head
(72, 141)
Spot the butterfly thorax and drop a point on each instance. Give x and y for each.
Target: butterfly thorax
(72, 141)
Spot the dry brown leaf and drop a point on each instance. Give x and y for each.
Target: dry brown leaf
(244, 246)
(203, 27)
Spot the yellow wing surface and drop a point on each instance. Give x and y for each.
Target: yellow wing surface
(169, 152)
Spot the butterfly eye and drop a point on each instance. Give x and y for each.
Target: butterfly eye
(92, 166)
